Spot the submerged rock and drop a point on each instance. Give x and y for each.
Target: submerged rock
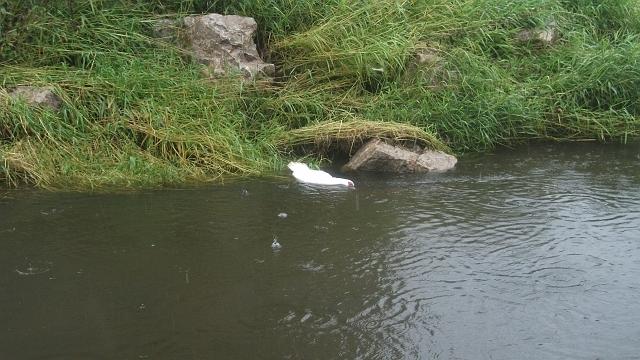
(37, 96)
(225, 42)
(379, 156)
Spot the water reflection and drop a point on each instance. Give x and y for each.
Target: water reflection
(527, 254)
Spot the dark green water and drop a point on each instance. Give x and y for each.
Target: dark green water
(528, 254)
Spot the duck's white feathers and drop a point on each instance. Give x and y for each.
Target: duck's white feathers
(304, 174)
(296, 166)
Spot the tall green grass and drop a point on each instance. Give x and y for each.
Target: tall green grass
(137, 112)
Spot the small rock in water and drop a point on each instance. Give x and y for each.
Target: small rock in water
(244, 192)
(282, 215)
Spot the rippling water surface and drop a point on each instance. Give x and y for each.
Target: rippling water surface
(526, 254)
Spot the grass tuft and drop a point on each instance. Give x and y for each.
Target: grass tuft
(352, 133)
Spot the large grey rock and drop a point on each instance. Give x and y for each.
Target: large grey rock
(225, 42)
(37, 96)
(378, 156)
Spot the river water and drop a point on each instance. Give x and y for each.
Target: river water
(531, 253)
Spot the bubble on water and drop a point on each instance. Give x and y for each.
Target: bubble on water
(312, 266)
(283, 215)
(321, 228)
(275, 245)
(289, 317)
(49, 212)
(305, 317)
(33, 269)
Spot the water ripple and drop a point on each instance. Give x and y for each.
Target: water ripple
(516, 255)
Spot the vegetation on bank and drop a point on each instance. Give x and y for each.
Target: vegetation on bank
(137, 112)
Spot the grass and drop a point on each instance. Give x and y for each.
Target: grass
(352, 133)
(138, 113)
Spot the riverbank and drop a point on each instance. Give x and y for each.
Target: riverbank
(137, 113)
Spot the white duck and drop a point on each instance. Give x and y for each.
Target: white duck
(304, 174)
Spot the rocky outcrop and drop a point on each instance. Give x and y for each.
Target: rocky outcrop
(37, 96)
(225, 43)
(378, 156)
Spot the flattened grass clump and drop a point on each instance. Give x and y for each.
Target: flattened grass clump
(137, 112)
(352, 133)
